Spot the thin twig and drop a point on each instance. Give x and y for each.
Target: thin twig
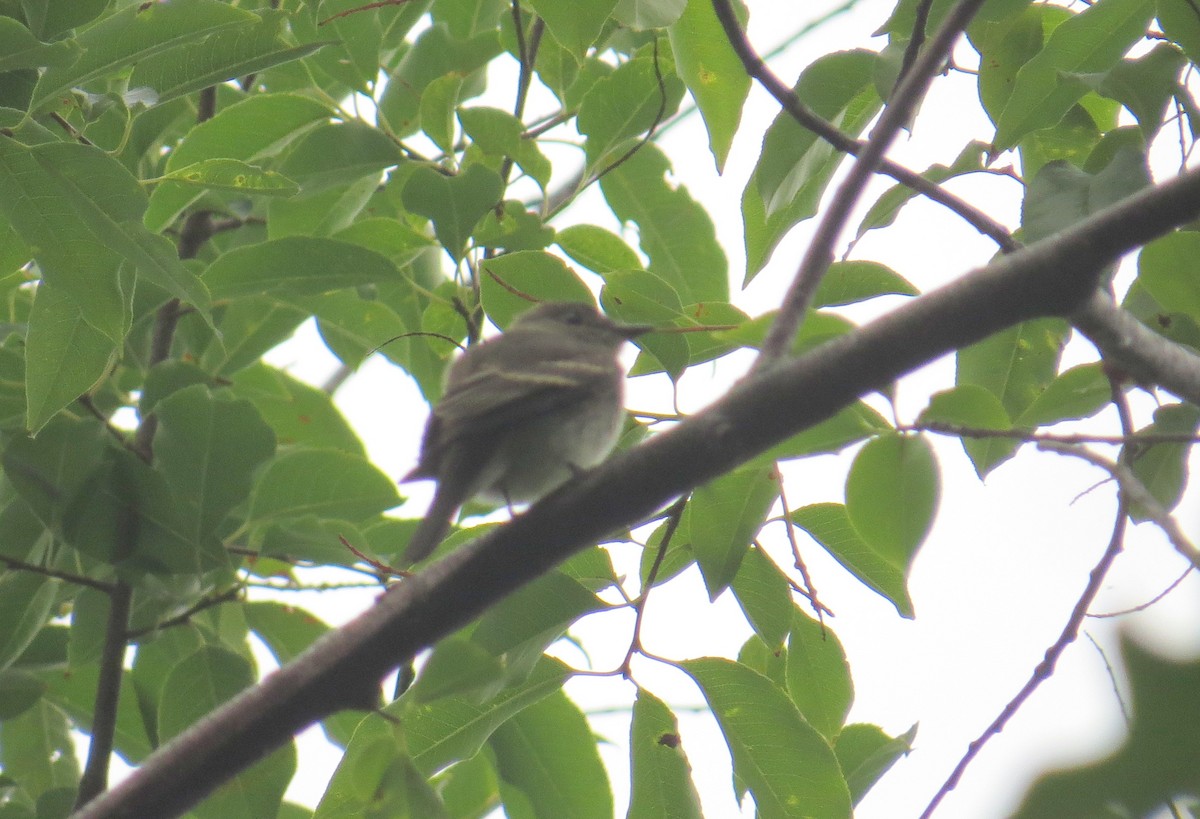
(674, 516)
(915, 41)
(1046, 667)
(209, 601)
(757, 68)
(1143, 606)
(1070, 632)
(1138, 494)
(810, 591)
(46, 571)
(1030, 436)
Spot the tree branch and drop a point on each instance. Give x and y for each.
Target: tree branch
(1147, 356)
(819, 253)
(827, 131)
(343, 669)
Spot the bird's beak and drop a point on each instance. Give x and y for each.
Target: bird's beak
(632, 331)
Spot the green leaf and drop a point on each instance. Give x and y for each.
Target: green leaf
(575, 26)
(723, 517)
(1080, 392)
(1061, 194)
(74, 692)
(1152, 767)
(26, 599)
(339, 152)
(535, 273)
(438, 104)
(1005, 46)
(851, 282)
(597, 249)
(887, 207)
(454, 204)
(350, 487)
(137, 33)
(622, 106)
(37, 750)
(662, 778)
(1162, 468)
(1166, 270)
(1180, 25)
(208, 448)
(254, 128)
(642, 15)
(674, 231)
(50, 469)
(249, 327)
(436, 53)
(795, 166)
(522, 625)
(20, 49)
(866, 753)
(19, 691)
(89, 622)
(1017, 364)
(1093, 40)
(299, 414)
(354, 328)
(459, 666)
(512, 227)
(49, 19)
(641, 297)
(197, 685)
(713, 73)
(499, 133)
(125, 513)
(1143, 85)
(818, 677)
(892, 494)
(243, 50)
(548, 753)
(973, 407)
(852, 424)
(65, 357)
(233, 176)
(314, 539)
(788, 766)
(82, 210)
(296, 266)
(829, 524)
(762, 591)
(454, 728)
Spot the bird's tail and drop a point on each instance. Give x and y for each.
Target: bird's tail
(434, 526)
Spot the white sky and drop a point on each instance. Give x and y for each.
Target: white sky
(993, 584)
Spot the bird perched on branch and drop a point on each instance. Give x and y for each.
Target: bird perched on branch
(522, 413)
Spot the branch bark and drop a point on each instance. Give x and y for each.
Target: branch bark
(1056, 276)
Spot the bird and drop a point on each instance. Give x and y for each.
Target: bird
(522, 413)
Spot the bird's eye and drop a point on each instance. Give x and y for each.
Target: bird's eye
(575, 317)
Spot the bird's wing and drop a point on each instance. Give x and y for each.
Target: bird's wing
(493, 399)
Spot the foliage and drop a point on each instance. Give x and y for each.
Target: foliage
(184, 184)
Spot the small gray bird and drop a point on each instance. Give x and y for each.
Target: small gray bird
(522, 413)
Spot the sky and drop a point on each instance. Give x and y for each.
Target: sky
(993, 584)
